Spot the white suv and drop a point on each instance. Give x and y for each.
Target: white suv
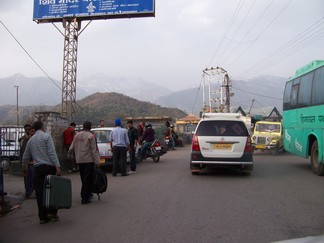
(221, 139)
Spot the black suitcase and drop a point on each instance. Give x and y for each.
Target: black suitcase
(99, 182)
(57, 192)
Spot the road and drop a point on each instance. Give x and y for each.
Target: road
(163, 202)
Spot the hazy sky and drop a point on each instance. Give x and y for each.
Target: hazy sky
(246, 38)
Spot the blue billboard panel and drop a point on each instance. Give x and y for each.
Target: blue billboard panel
(56, 10)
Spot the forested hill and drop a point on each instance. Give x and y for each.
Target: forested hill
(106, 106)
(109, 106)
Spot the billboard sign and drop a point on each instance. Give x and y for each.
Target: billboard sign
(56, 10)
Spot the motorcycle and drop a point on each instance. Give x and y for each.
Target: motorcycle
(169, 142)
(154, 151)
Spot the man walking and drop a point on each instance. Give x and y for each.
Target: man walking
(68, 136)
(40, 147)
(29, 175)
(133, 137)
(84, 147)
(119, 144)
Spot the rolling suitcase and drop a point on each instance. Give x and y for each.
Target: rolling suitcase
(57, 192)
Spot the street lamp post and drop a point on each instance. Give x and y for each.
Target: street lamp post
(17, 111)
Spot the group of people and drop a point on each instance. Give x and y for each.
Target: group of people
(122, 140)
(39, 158)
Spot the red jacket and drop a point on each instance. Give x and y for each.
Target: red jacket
(68, 135)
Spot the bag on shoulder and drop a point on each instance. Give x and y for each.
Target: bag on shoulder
(100, 182)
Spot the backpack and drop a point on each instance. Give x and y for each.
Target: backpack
(100, 182)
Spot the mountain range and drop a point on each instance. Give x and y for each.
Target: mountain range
(95, 107)
(263, 91)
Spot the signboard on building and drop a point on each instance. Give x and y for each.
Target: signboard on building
(56, 10)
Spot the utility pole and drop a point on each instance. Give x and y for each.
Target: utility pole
(251, 106)
(227, 92)
(17, 107)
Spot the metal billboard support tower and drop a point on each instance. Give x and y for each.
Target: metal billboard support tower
(70, 66)
(71, 13)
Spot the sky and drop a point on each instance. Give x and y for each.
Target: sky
(247, 38)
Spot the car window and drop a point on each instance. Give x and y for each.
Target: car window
(102, 136)
(222, 128)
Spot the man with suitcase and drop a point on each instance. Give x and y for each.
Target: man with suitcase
(84, 148)
(41, 148)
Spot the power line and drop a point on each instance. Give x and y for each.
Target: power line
(194, 104)
(249, 92)
(252, 27)
(225, 34)
(235, 14)
(297, 43)
(265, 29)
(242, 22)
(30, 56)
(291, 52)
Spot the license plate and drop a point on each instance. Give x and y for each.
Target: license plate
(102, 160)
(158, 148)
(222, 146)
(260, 146)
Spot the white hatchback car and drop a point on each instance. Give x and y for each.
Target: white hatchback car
(102, 135)
(221, 140)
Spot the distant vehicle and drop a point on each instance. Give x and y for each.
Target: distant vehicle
(102, 135)
(267, 135)
(9, 152)
(221, 140)
(303, 114)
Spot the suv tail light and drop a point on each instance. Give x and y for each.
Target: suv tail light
(248, 147)
(195, 143)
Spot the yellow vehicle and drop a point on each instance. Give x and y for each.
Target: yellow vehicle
(267, 135)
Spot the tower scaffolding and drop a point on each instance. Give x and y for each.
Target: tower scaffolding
(70, 52)
(218, 90)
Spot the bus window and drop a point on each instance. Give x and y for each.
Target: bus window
(318, 87)
(294, 95)
(305, 90)
(286, 98)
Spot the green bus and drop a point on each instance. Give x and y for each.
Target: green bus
(303, 114)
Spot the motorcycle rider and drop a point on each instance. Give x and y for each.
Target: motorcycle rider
(169, 137)
(147, 139)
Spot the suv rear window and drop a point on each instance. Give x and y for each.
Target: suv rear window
(222, 128)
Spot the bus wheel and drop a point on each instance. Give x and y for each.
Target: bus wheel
(317, 168)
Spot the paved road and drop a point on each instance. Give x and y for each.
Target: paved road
(163, 202)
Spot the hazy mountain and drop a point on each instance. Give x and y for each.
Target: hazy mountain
(40, 91)
(107, 106)
(130, 86)
(31, 91)
(43, 91)
(264, 90)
